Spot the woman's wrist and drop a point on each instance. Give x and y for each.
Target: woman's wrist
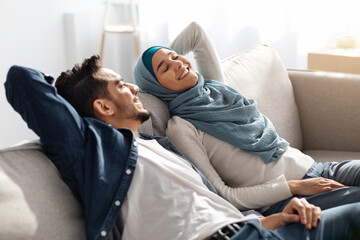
(293, 185)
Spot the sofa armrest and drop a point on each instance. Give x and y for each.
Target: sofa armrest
(328, 105)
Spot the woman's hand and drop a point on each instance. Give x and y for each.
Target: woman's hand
(311, 186)
(297, 210)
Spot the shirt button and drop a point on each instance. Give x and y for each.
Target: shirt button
(117, 203)
(103, 233)
(135, 143)
(128, 172)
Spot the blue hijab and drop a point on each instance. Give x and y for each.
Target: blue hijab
(218, 110)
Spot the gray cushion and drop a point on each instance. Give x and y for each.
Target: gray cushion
(159, 115)
(35, 202)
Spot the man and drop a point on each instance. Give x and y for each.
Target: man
(129, 185)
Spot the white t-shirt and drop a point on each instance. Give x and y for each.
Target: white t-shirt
(168, 200)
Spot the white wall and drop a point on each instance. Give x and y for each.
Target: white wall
(53, 35)
(36, 34)
(292, 27)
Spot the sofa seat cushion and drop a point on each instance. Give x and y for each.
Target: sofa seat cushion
(260, 74)
(35, 202)
(332, 156)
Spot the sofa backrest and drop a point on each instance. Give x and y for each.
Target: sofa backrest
(328, 104)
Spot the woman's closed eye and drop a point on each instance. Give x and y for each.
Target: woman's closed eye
(166, 68)
(173, 56)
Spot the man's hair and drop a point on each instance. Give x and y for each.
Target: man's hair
(80, 87)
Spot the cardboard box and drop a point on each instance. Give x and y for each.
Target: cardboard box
(345, 60)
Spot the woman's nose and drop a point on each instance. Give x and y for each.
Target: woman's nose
(177, 64)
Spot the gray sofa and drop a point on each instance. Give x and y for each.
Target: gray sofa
(315, 111)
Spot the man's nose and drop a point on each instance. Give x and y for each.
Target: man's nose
(133, 88)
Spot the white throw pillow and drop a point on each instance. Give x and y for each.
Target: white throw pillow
(260, 74)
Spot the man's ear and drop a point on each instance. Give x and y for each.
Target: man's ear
(103, 107)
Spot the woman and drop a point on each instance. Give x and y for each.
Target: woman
(230, 140)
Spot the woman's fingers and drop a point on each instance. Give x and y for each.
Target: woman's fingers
(330, 183)
(311, 186)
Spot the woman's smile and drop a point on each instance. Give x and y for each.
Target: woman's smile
(183, 74)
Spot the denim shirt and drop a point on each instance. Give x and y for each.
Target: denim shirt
(95, 160)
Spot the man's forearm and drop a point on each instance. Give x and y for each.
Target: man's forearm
(271, 222)
(53, 119)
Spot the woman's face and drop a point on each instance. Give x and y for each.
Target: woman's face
(173, 71)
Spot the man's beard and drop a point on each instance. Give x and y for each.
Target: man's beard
(143, 115)
(135, 114)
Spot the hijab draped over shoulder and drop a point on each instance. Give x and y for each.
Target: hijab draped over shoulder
(218, 110)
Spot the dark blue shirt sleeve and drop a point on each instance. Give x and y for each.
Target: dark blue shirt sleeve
(52, 118)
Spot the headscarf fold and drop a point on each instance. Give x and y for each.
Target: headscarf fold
(220, 111)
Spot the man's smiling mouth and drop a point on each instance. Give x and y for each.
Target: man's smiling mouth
(136, 99)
